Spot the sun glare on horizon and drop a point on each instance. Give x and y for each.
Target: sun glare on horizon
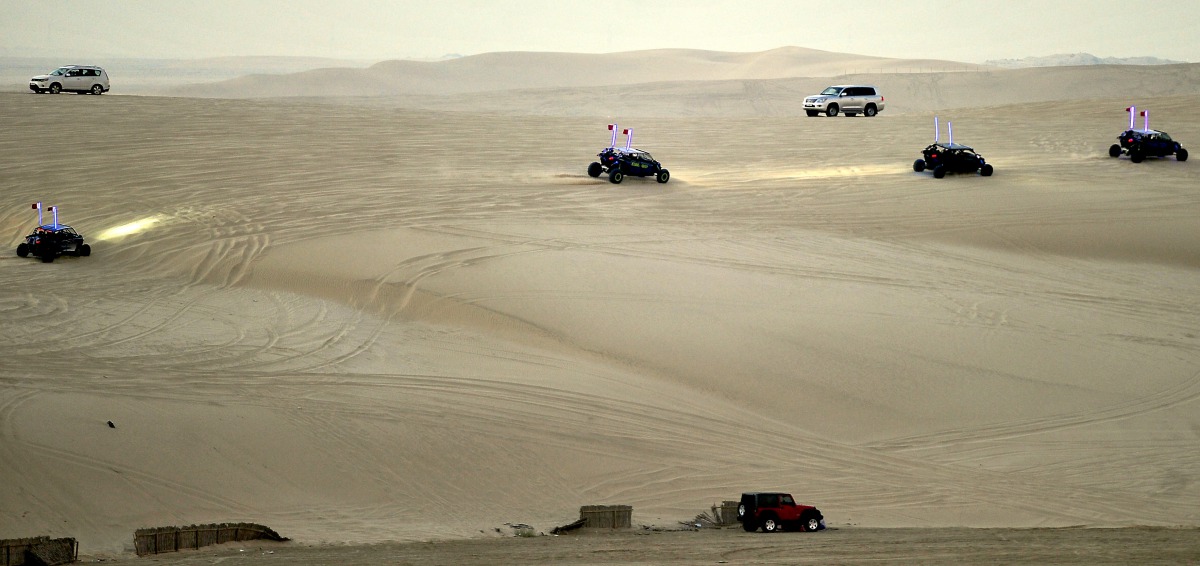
(131, 228)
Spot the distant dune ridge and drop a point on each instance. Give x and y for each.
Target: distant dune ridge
(1075, 59)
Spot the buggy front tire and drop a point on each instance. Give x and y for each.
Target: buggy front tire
(939, 172)
(986, 170)
(1136, 156)
(1114, 150)
(919, 165)
(83, 250)
(663, 176)
(832, 110)
(1181, 155)
(23, 250)
(47, 256)
(616, 176)
(595, 169)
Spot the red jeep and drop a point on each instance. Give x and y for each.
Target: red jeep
(773, 511)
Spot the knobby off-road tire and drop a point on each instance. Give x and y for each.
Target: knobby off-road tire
(663, 176)
(986, 170)
(1114, 150)
(616, 176)
(919, 165)
(939, 172)
(595, 169)
(23, 250)
(1181, 155)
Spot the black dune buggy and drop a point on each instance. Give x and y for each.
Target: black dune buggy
(624, 162)
(1140, 144)
(951, 157)
(52, 240)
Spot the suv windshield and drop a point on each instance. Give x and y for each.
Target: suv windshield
(831, 90)
(59, 72)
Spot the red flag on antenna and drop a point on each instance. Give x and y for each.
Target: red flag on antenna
(52, 208)
(1128, 108)
(37, 205)
(626, 131)
(611, 126)
(1142, 113)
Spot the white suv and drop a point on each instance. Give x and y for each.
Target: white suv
(848, 99)
(72, 78)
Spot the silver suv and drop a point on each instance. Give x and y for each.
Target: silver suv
(72, 78)
(847, 99)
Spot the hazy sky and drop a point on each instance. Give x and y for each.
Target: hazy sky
(971, 31)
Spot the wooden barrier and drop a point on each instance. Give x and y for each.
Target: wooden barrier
(38, 550)
(173, 539)
(606, 516)
(726, 513)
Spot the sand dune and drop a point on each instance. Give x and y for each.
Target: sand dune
(358, 323)
(523, 70)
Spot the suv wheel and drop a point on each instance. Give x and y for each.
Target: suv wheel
(97, 90)
(1114, 150)
(770, 525)
(55, 88)
(832, 110)
(870, 110)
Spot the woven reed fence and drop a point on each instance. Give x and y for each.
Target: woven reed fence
(38, 551)
(173, 539)
(606, 516)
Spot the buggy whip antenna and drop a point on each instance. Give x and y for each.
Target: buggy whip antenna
(38, 207)
(950, 130)
(628, 138)
(1132, 110)
(613, 128)
(1146, 125)
(54, 209)
(937, 131)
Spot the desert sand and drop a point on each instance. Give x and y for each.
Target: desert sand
(366, 320)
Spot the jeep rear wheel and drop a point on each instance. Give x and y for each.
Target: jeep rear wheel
(832, 110)
(1114, 150)
(870, 111)
(616, 176)
(749, 525)
(23, 250)
(770, 525)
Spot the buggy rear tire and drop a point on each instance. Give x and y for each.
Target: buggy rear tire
(47, 256)
(870, 111)
(663, 176)
(919, 165)
(1136, 156)
(1114, 150)
(616, 176)
(1181, 155)
(595, 169)
(939, 172)
(23, 250)
(831, 110)
(986, 170)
